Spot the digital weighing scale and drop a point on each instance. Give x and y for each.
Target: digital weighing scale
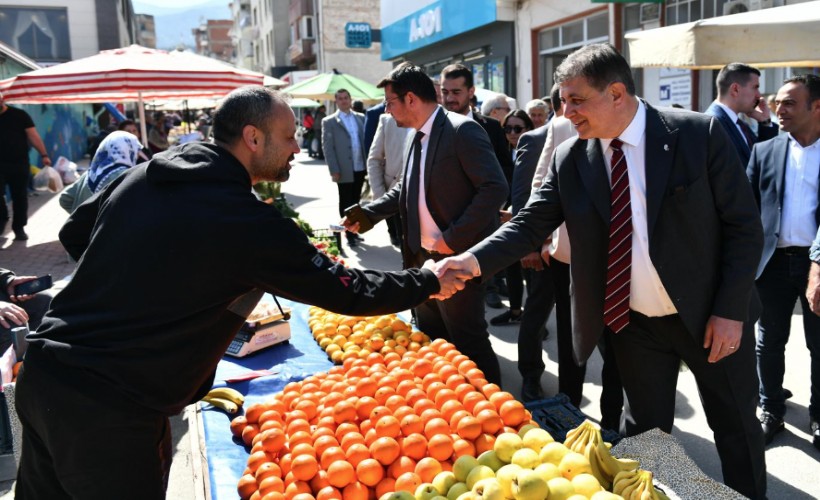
(266, 326)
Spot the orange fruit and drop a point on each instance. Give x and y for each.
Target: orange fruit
(303, 496)
(344, 429)
(297, 425)
(340, 474)
(247, 486)
(322, 443)
(414, 446)
(411, 424)
(369, 472)
(268, 469)
(271, 484)
(319, 481)
(463, 447)
(364, 406)
(422, 367)
(457, 416)
(463, 389)
(490, 389)
(384, 392)
(249, 432)
(366, 387)
(483, 405)
(405, 386)
(303, 449)
(395, 402)
(474, 374)
(284, 463)
(427, 468)
(409, 481)
(329, 493)
(512, 412)
(444, 395)
(491, 422)
(385, 449)
(423, 404)
(299, 438)
(434, 426)
(330, 455)
(294, 414)
(471, 398)
(378, 412)
(385, 486)
(344, 412)
(413, 395)
(304, 467)
(253, 411)
(403, 411)
(388, 426)
(306, 405)
(440, 446)
(450, 407)
(356, 453)
(297, 488)
(355, 491)
(434, 388)
(401, 466)
(469, 427)
(320, 431)
(370, 436)
(365, 427)
(484, 443)
(453, 379)
(499, 398)
(238, 424)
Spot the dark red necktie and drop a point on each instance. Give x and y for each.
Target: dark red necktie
(747, 133)
(619, 261)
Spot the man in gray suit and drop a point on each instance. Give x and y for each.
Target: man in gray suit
(448, 200)
(663, 254)
(385, 164)
(343, 143)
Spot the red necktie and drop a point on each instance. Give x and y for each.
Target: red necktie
(747, 133)
(619, 261)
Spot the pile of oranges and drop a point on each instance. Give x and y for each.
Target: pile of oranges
(384, 423)
(343, 337)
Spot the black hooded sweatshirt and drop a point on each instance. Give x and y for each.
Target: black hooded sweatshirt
(163, 253)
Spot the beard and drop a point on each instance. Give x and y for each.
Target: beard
(270, 167)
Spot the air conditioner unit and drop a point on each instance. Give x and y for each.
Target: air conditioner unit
(740, 6)
(307, 28)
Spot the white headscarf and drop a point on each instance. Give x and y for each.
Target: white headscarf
(117, 152)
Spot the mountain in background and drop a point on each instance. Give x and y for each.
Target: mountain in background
(174, 24)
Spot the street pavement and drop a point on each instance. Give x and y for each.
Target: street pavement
(792, 461)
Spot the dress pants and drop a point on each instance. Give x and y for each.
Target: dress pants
(78, 445)
(16, 178)
(394, 227)
(460, 320)
(649, 352)
(782, 283)
(515, 285)
(570, 373)
(350, 193)
(540, 297)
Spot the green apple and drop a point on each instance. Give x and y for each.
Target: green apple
(491, 460)
(523, 430)
(548, 471)
(506, 444)
(477, 474)
(426, 491)
(526, 458)
(573, 464)
(443, 481)
(457, 490)
(528, 485)
(505, 476)
(398, 495)
(463, 465)
(586, 484)
(467, 496)
(536, 439)
(560, 488)
(488, 489)
(553, 453)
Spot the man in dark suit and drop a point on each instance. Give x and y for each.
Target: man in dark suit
(371, 123)
(457, 91)
(738, 88)
(448, 200)
(668, 268)
(785, 177)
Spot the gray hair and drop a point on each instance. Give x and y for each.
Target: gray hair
(536, 103)
(600, 64)
(252, 105)
(497, 101)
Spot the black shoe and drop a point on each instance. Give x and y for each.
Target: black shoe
(20, 235)
(787, 394)
(358, 237)
(506, 318)
(771, 424)
(531, 389)
(352, 242)
(493, 300)
(814, 428)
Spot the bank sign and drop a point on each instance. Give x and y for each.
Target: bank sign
(435, 21)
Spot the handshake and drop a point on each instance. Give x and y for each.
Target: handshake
(453, 273)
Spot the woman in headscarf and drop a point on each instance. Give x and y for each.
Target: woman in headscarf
(117, 153)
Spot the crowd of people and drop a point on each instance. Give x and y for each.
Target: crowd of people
(659, 235)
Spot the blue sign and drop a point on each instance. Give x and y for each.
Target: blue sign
(436, 22)
(358, 36)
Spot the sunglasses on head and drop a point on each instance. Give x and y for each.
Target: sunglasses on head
(515, 128)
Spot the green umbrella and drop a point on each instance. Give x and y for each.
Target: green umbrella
(325, 85)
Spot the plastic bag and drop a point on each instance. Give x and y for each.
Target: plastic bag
(48, 179)
(67, 170)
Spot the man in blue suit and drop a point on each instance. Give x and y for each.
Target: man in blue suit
(738, 88)
(785, 177)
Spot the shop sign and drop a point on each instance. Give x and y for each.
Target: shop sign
(675, 87)
(358, 35)
(434, 22)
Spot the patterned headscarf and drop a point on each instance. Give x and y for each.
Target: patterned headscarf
(117, 152)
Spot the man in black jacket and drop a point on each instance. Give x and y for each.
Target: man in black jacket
(166, 254)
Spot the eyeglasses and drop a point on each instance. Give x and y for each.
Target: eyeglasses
(516, 128)
(388, 102)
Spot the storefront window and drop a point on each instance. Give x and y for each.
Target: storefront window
(598, 26)
(572, 33)
(685, 11)
(548, 39)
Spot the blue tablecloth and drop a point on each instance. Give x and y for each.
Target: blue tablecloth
(291, 361)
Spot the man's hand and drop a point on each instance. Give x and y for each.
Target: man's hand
(335, 177)
(12, 313)
(449, 281)
(13, 283)
(545, 252)
(505, 216)
(813, 288)
(465, 266)
(723, 337)
(349, 225)
(442, 248)
(532, 261)
(761, 111)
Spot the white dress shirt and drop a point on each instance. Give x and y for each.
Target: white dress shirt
(733, 116)
(647, 294)
(430, 232)
(798, 226)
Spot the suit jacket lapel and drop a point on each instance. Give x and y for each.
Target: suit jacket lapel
(780, 155)
(432, 146)
(591, 167)
(342, 124)
(731, 127)
(659, 159)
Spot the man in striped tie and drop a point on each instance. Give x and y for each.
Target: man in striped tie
(665, 241)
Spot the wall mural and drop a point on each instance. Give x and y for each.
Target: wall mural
(62, 127)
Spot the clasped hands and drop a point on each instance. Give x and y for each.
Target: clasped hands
(453, 273)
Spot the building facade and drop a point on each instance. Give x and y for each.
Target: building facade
(146, 30)
(213, 39)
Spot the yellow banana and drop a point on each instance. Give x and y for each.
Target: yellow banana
(614, 465)
(595, 464)
(223, 404)
(227, 393)
(624, 482)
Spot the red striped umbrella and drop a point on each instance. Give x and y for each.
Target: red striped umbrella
(128, 74)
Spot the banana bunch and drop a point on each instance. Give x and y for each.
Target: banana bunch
(225, 398)
(587, 440)
(636, 485)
